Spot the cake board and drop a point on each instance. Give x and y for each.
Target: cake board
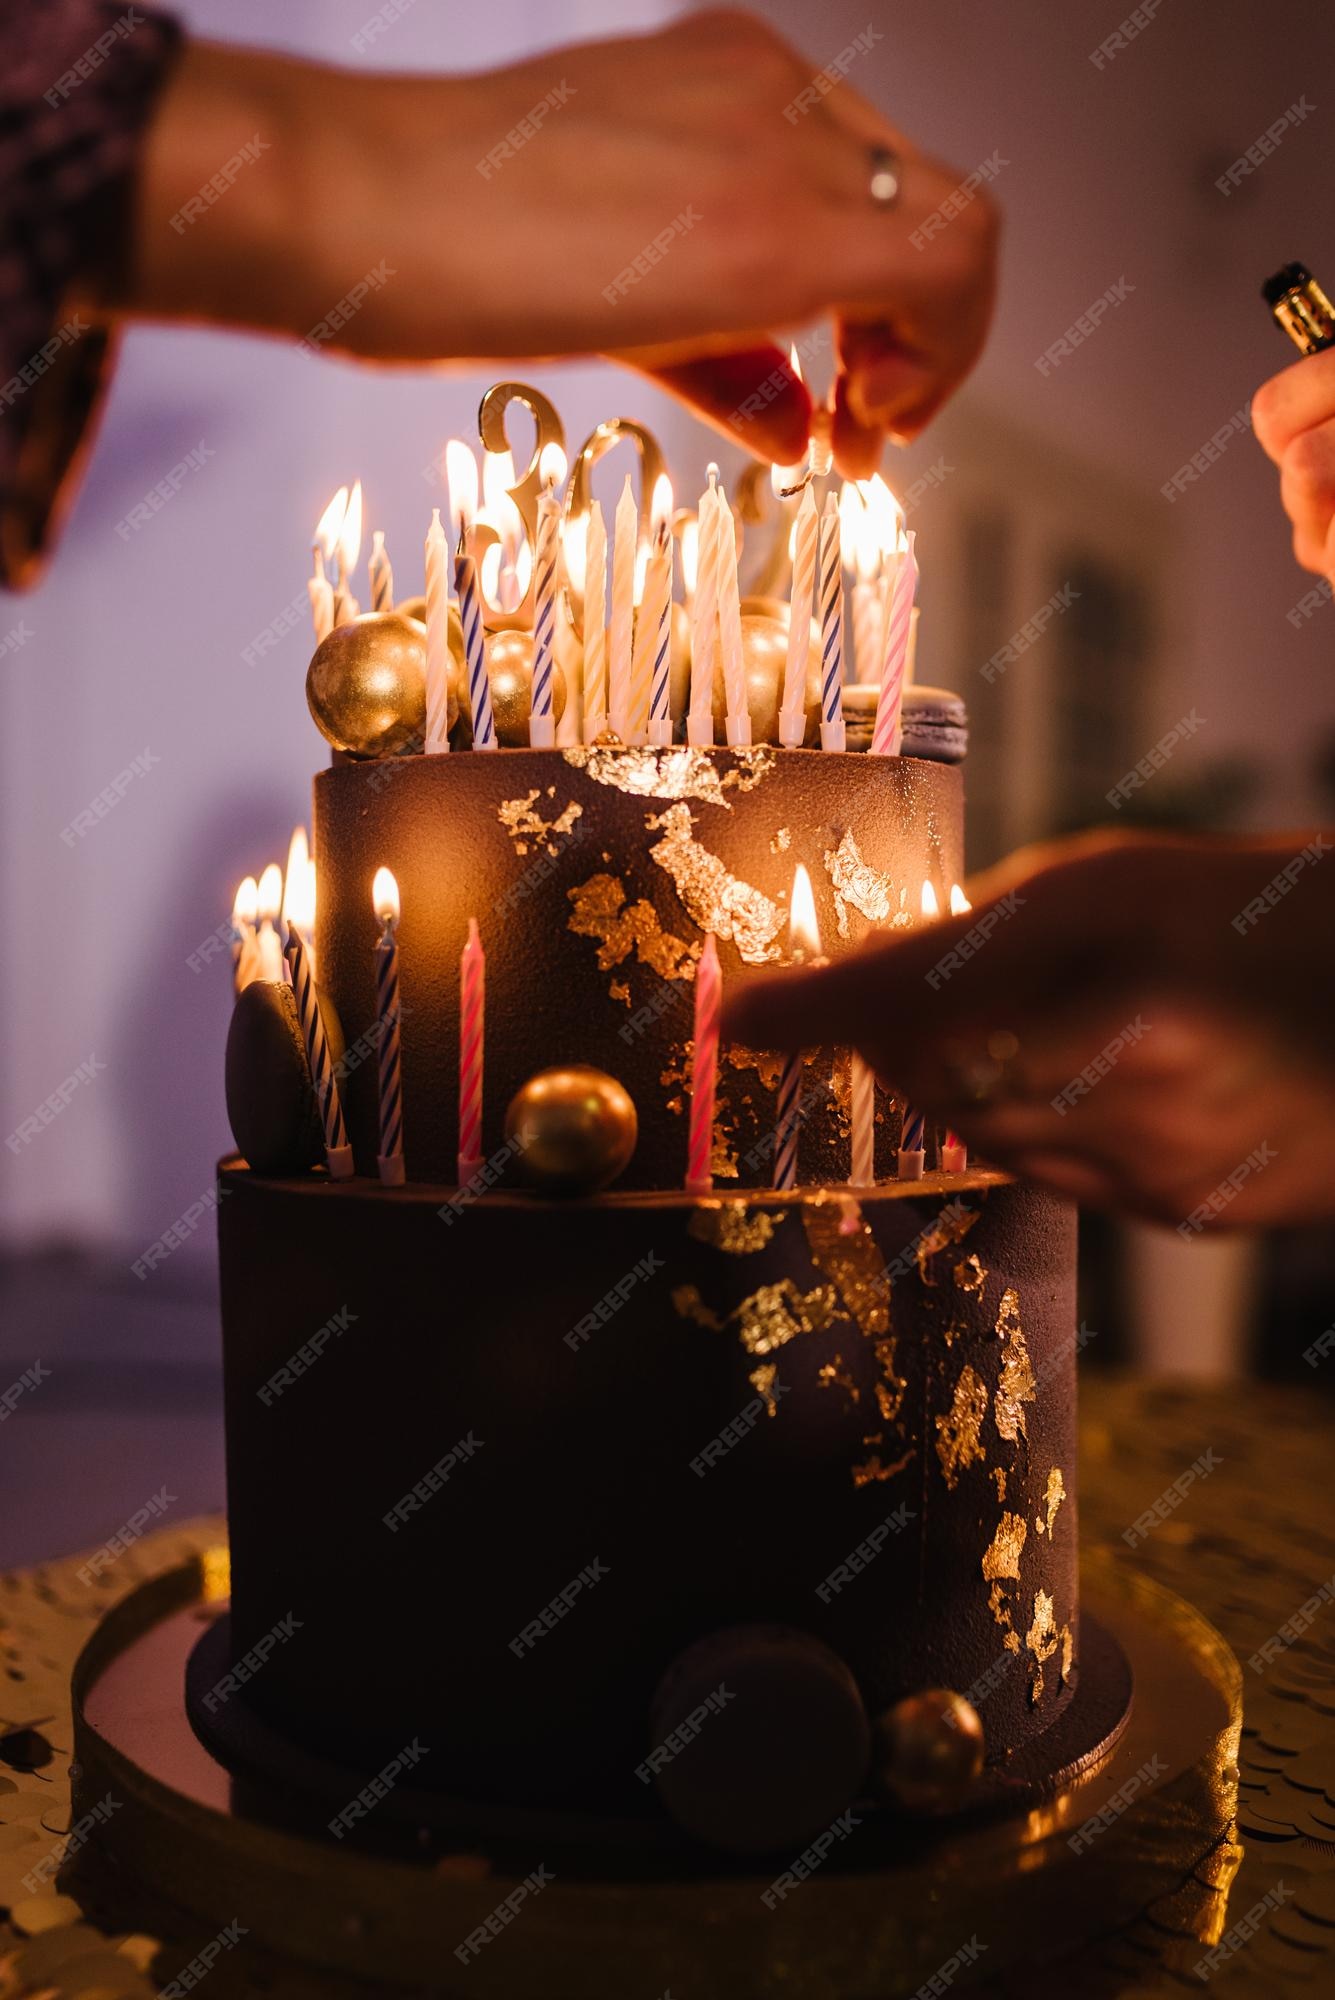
(191, 1836)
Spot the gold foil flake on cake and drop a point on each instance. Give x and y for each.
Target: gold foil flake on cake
(951, 1227)
(762, 1381)
(970, 1275)
(598, 909)
(679, 773)
(781, 841)
(733, 1227)
(1001, 1613)
(767, 1066)
(525, 824)
(1068, 1654)
(717, 900)
(1056, 1493)
(1042, 1640)
(834, 1375)
(771, 1316)
(852, 1262)
(857, 885)
(1016, 1387)
(958, 1443)
(1002, 1557)
(999, 1474)
(619, 990)
(874, 1469)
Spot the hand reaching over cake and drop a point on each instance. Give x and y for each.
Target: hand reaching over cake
(1141, 1024)
(1294, 418)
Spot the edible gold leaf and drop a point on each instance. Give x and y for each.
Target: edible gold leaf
(1016, 1387)
(524, 823)
(734, 1227)
(1002, 1558)
(598, 909)
(951, 1226)
(1056, 1493)
(677, 773)
(957, 1442)
(717, 900)
(857, 885)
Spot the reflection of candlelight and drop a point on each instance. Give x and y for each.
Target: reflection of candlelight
(461, 470)
(804, 949)
(385, 902)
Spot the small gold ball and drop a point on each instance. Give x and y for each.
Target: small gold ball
(929, 1750)
(366, 685)
(510, 671)
(765, 659)
(575, 1128)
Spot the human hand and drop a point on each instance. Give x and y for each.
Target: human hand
(1293, 415)
(1134, 1023)
(665, 199)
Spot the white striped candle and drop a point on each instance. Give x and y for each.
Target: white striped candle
(595, 626)
(437, 638)
(380, 574)
(385, 901)
(804, 949)
(832, 732)
(730, 625)
(620, 638)
(337, 1151)
(704, 622)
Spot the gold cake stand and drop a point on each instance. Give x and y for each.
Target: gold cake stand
(169, 1865)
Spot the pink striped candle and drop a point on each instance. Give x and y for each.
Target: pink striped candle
(472, 1025)
(704, 1069)
(385, 902)
(887, 735)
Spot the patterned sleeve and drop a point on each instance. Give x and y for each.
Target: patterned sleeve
(78, 81)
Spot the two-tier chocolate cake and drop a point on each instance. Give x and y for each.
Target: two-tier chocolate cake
(648, 1517)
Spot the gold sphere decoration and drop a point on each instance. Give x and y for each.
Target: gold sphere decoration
(510, 671)
(764, 658)
(575, 1128)
(366, 685)
(929, 1750)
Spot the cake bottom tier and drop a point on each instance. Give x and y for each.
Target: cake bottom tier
(493, 1466)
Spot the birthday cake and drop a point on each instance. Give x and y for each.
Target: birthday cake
(572, 1472)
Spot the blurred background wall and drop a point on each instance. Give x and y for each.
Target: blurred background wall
(1036, 479)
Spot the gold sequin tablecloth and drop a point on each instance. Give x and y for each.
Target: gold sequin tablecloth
(1229, 1500)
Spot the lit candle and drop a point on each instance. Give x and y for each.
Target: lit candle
(541, 720)
(299, 890)
(385, 901)
(704, 621)
(954, 1152)
(862, 554)
(650, 702)
(498, 477)
(625, 535)
(268, 902)
(461, 470)
(887, 734)
(863, 1118)
(380, 574)
(730, 624)
(437, 638)
(337, 1151)
(690, 559)
(804, 949)
(595, 625)
(322, 550)
(832, 734)
(472, 1025)
(245, 951)
(346, 607)
(801, 602)
(704, 1070)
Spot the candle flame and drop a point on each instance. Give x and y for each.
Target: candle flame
(350, 531)
(959, 902)
(552, 465)
(461, 473)
(930, 906)
(803, 930)
(852, 519)
(498, 476)
(299, 885)
(330, 522)
(885, 514)
(385, 896)
(795, 361)
(690, 552)
(245, 903)
(269, 894)
(660, 506)
(641, 570)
